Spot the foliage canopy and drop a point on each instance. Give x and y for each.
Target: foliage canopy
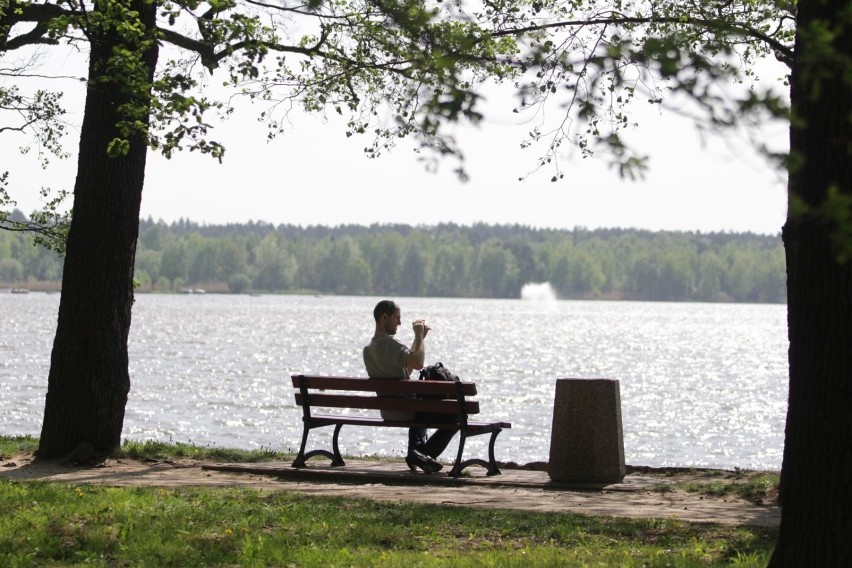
(407, 68)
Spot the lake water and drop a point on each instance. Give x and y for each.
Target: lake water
(701, 384)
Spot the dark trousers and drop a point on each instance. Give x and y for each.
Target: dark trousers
(432, 445)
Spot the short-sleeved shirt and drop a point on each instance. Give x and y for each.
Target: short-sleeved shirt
(385, 358)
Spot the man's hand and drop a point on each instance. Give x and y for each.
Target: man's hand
(420, 329)
(417, 357)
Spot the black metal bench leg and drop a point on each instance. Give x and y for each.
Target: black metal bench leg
(492, 463)
(335, 457)
(337, 460)
(458, 465)
(300, 459)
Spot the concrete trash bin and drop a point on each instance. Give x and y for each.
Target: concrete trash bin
(586, 441)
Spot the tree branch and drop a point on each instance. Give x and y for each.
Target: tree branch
(277, 8)
(210, 58)
(41, 14)
(786, 53)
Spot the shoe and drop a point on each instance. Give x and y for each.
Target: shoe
(410, 463)
(434, 465)
(417, 459)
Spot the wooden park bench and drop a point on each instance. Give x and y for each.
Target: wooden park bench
(445, 397)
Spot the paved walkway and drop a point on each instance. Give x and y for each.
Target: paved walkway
(638, 496)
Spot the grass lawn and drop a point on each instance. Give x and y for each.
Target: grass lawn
(59, 524)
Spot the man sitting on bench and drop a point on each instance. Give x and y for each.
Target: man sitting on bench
(387, 358)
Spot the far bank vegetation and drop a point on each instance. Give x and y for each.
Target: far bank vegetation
(445, 260)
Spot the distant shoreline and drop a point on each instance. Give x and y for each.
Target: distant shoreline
(53, 287)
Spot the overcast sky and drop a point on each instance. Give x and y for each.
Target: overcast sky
(315, 175)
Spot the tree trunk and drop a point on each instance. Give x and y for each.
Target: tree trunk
(816, 475)
(89, 379)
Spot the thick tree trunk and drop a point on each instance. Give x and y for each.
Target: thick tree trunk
(89, 379)
(816, 476)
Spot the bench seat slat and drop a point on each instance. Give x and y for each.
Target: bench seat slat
(386, 403)
(446, 388)
(473, 425)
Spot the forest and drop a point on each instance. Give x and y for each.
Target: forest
(445, 260)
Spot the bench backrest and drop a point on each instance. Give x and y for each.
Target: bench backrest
(384, 394)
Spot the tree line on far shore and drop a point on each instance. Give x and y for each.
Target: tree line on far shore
(445, 260)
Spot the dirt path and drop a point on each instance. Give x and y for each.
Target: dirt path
(639, 496)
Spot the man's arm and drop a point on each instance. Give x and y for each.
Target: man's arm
(417, 357)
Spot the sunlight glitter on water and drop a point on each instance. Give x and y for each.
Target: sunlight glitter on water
(701, 384)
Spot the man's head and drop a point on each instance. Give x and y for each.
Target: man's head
(388, 316)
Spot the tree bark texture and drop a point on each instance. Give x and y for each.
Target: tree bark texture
(89, 379)
(816, 475)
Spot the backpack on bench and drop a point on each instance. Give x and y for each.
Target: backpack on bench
(436, 372)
